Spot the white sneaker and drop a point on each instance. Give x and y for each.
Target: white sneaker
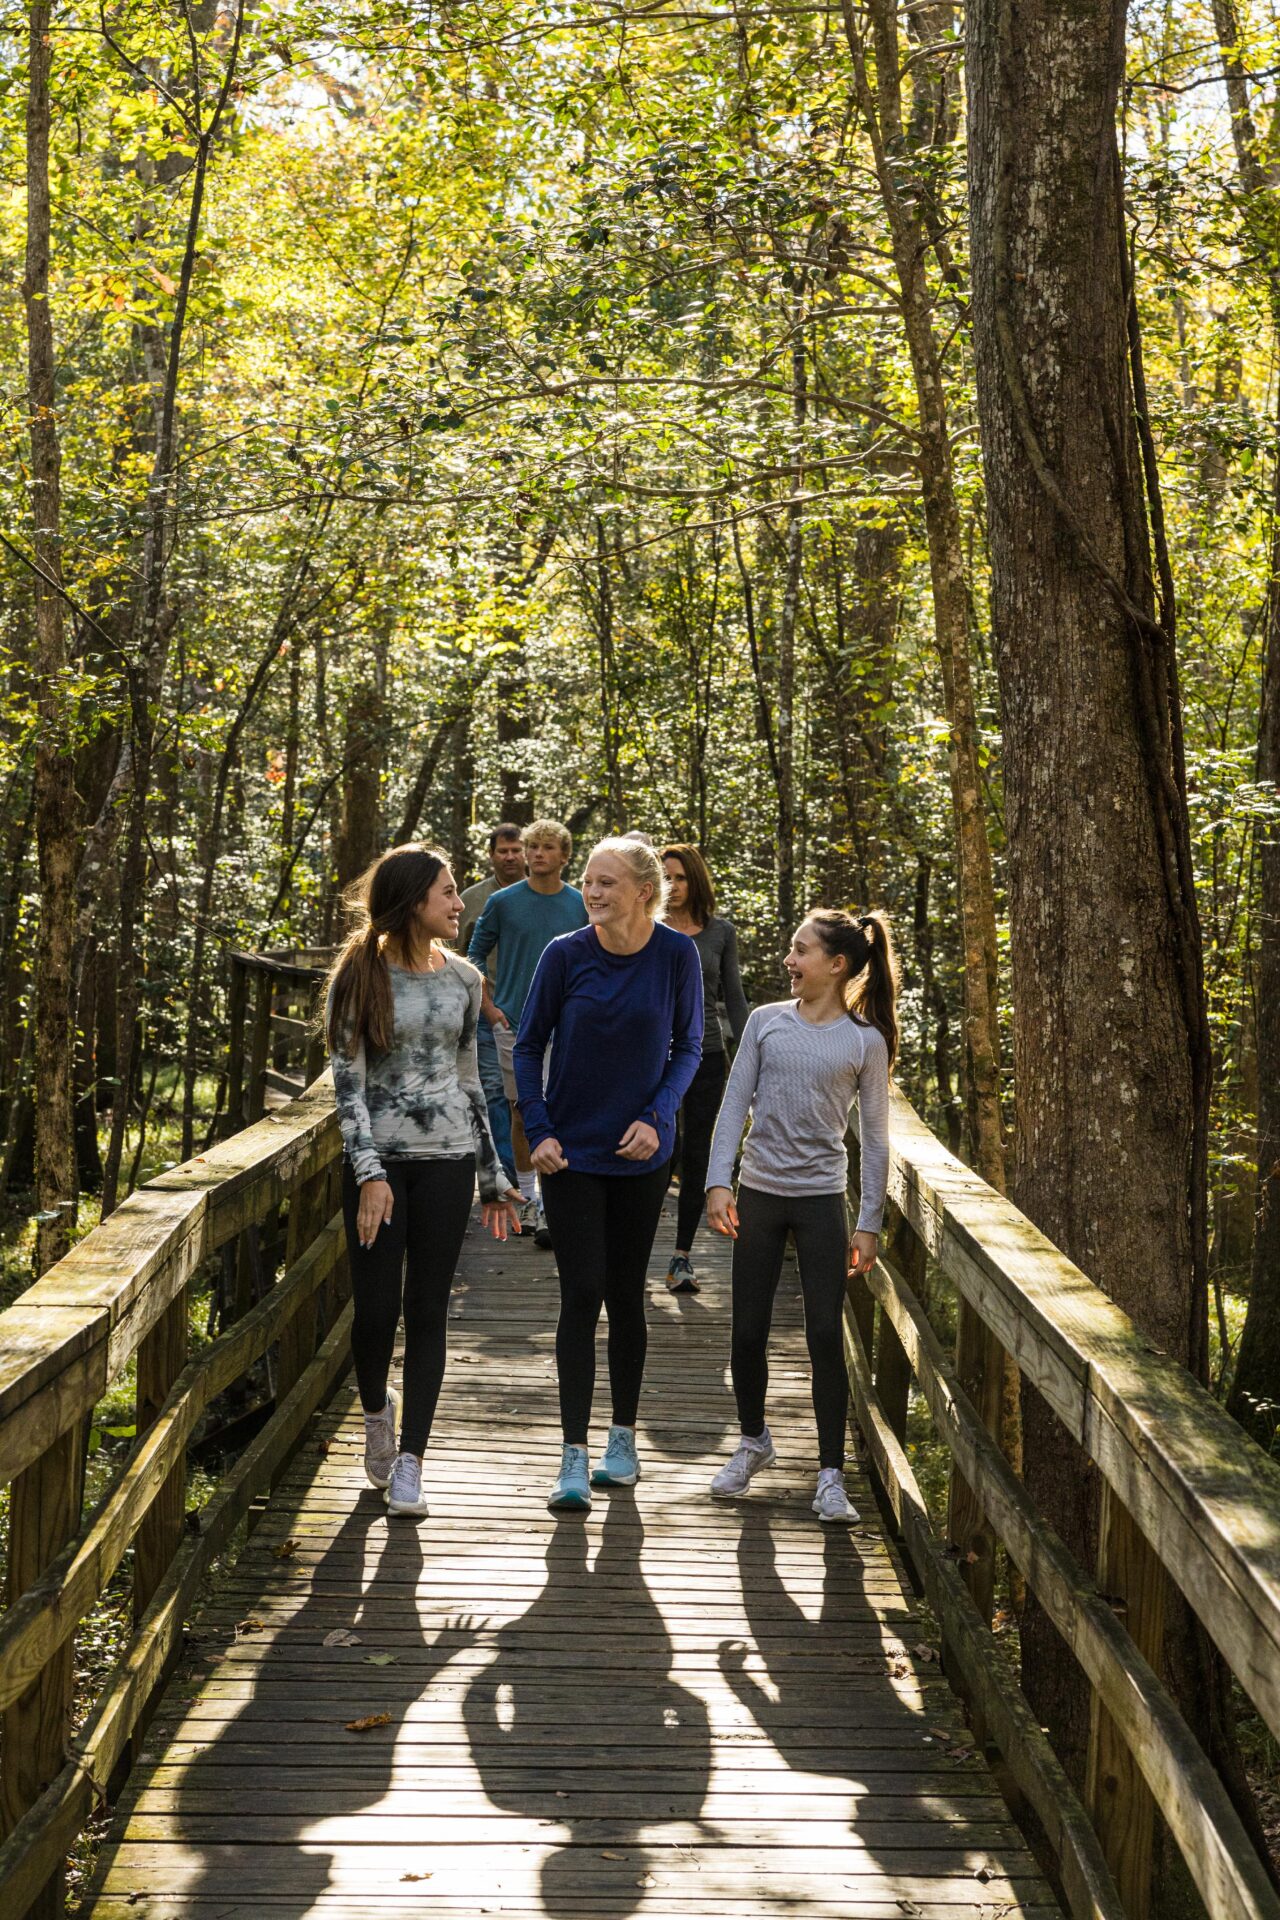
(380, 1442)
(735, 1476)
(831, 1503)
(527, 1213)
(404, 1493)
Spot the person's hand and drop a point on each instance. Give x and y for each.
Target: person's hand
(862, 1252)
(639, 1142)
(376, 1202)
(501, 1217)
(547, 1157)
(722, 1215)
(494, 1014)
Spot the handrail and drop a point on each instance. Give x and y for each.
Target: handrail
(1202, 1495)
(123, 1292)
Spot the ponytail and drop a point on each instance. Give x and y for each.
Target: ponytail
(871, 990)
(357, 1002)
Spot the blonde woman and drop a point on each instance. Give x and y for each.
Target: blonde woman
(623, 997)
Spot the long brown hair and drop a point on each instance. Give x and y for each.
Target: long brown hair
(863, 940)
(358, 990)
(701, 903)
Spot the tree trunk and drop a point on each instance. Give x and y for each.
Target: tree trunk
(56, 811)
(1111, 1043)
(361, 787)
(1255, 1388)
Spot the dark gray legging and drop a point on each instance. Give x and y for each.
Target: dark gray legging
(820, 1225)
(411, 1261)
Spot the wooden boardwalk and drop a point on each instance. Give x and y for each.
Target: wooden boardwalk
(670, 1707)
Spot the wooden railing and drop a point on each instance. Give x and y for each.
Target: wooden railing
(1189, 1506)
(272, 1042)
(124, 1293)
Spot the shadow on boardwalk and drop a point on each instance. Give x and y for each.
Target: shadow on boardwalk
(619, 1692)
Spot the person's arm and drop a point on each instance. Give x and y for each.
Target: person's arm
(537, 1024)
(350, 1074)
(732, 1119)
(735, 999)
(493, 1181)
(686, 1038)
(873, 1131)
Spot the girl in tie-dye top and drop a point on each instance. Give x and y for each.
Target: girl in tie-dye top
(400, 1017)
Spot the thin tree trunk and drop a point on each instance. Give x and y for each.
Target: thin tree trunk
(55, 809)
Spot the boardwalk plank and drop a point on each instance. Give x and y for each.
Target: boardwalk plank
(674, 1707)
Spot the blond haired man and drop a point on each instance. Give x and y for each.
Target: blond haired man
(521, 921)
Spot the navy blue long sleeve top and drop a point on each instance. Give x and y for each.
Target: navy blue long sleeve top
(628, 1041)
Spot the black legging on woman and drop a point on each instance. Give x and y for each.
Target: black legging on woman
(415, 1253)
(697, 1124)
(820, 1225)
(603, 1228)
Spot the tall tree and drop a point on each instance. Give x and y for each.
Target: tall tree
(55, 797)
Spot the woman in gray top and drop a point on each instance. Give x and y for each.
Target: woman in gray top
(800, 1067)
(401, 1019)
(691, 909)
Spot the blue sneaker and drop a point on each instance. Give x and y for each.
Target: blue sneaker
(571, 1493)
(620, 1466)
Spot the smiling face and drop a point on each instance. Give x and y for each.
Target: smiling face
(678, 880)
(545, 859)
(438, 913)
(612, 896)
(507, 860)
(811, 970)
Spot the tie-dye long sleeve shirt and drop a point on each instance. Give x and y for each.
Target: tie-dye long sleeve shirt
(421, 1099)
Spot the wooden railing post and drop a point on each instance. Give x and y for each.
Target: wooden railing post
(259, 1046)
(162, 1355)
(980, 1368)
(235, 1043)
(892, 1368)
(308, 1213)
(1118, 1798)
(44, 1513)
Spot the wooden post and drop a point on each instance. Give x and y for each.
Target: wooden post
(1118, 1798)
(307, 1215)
(892, 1368)
(980, 1367)
(255, 1096)
(161, 1358)
(235, 1044)
(44, 1513)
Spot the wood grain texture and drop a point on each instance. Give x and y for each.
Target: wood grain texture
(672, 1706)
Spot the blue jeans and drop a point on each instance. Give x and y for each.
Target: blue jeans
(495, 1096)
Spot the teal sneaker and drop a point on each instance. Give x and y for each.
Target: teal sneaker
(620, 1466)
(571, 1492)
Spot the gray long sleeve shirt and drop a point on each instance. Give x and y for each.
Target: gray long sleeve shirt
(421, 1099)
(798, 1082)
(717, 945)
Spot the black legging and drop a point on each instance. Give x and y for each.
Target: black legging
(697, 1124)
(414, 1254)
(602, 1226)
(820, 1225)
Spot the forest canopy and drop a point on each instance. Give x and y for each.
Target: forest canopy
(459, 413)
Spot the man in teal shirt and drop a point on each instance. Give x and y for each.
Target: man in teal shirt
(521, 922)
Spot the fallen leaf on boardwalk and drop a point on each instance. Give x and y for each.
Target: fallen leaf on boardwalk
(606, 1854)
(248, 1626)
(907, 1906)
(982, 1873)
(959, 1753)
(341, 1637)
(415, 1876)
(561, 1794)
(379, 1659)
(322, 1446)
(286, 1550)
(647, 1880)
(924, 1651)
(370, 1720)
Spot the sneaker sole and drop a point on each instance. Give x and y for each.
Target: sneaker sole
(737, 1493)
(569, 1503)
(419, 1512)
(602, 1479)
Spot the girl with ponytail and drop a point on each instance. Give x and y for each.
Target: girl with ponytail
(801, 1064)
(400, 1018)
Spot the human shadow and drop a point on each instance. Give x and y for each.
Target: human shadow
(288, 1764)
(831, 1707)
(578, 1721)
